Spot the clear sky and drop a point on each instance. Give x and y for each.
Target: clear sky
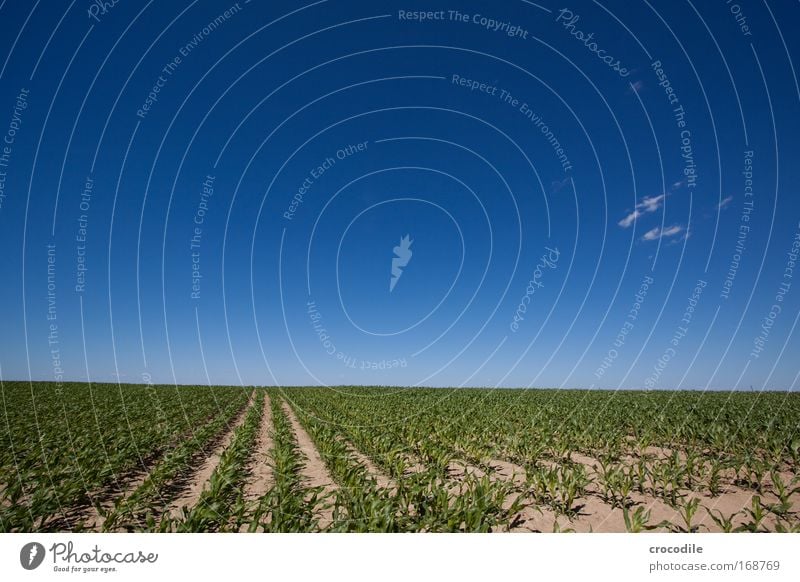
(217, 192)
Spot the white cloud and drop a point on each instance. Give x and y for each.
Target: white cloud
(651, 203)
(646, 205)
(657, 233)
(724, 202)
(629, 220)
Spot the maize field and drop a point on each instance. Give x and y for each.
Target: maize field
(116, 458)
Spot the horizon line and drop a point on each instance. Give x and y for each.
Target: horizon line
(749, 390)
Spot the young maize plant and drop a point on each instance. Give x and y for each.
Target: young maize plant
(725, 523)
(558, 486)
(638, 521)
(617, 483)
(687, 513)
(756, 514)
(784, 491)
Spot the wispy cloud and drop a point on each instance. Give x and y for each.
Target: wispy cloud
(724, 202)
(646, 205)
(657, 232)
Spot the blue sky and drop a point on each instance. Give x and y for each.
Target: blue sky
(595, 196)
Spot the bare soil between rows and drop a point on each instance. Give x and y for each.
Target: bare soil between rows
(194, 484)
(314, 471)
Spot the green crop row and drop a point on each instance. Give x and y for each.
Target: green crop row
(424, 497)
(662, 445)
(140, 509)
(63, 446)
(223, 497)
(289, 506)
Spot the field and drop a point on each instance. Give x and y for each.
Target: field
(103, 457)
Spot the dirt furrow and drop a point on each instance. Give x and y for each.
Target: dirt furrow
(458, 470)
(507, 471)
(196, 482)
(383, 480)
(314, 470)
(261, 477)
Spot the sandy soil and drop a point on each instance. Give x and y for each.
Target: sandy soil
(261, 477)
(594, 514)
(507, 471)
(457, 470)
(196, 482)
(314, 471)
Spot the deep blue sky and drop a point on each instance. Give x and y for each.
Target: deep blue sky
(261, 99)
